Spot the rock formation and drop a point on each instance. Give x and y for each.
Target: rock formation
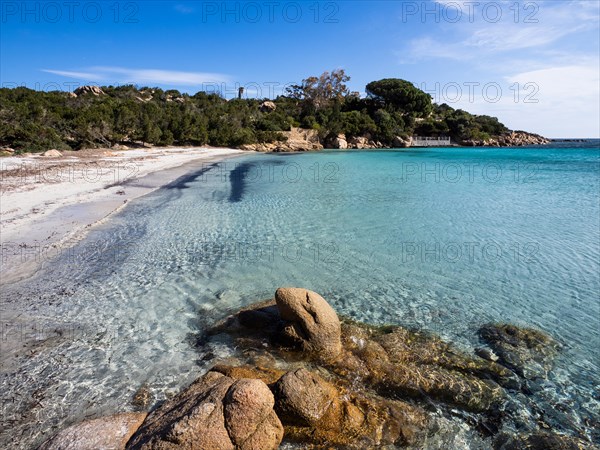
(52, 154)
(339, 142)
(216, 412)
(510, 139)
(268, 106)
(400, 142)
(303, 375)
(315, 410)
(312, 323)
(299, 139)
(295, 140)
(93, 90)
(105, 433)
(363, 142)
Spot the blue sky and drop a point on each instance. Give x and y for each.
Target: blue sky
(534, 65)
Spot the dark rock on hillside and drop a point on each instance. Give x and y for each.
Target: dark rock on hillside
(268, 106)
(93, 90)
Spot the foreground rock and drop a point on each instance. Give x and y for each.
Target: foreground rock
(314, 410)
(312, 323)
(323, 383)
(526, 351)
(216, 412)
(105, 433)
(395, 362)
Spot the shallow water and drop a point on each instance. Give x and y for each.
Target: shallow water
(440, 239)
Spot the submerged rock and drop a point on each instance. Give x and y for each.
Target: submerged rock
(216, 412)
(350, 385)
(325, 383)
(541, 441)
(143, 398)
(526, 351)
(111, 432)
(317, 411)
(399, 362)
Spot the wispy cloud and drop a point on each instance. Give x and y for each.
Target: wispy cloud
(70, 74)
(142, 76)
(534, 26)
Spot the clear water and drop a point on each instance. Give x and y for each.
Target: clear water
(440, 239)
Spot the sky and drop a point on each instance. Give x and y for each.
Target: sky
(533, 64)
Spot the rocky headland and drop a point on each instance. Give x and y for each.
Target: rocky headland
(305, 377)
(511, 139)
(302, 140)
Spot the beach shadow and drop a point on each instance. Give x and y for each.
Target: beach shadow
(239, 177)
(183, 182)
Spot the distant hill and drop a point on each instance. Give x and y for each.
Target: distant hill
(91, 117)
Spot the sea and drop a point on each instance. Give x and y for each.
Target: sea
(437, 239)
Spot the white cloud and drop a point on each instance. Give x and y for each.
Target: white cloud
(561, 101)
(569, 101)
(143, 76)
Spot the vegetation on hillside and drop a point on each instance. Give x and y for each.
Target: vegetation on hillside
(35, 120)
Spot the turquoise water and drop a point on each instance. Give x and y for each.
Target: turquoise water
(437, 239)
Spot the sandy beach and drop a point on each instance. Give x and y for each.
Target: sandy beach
(48, 204)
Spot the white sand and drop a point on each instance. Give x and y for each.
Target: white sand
(50, 203)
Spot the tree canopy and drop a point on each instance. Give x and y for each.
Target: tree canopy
(321, 90)
(401, 95)
(37, 120)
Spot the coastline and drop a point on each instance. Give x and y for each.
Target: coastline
(49, 204)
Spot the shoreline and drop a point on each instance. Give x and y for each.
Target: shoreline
(49, 204)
